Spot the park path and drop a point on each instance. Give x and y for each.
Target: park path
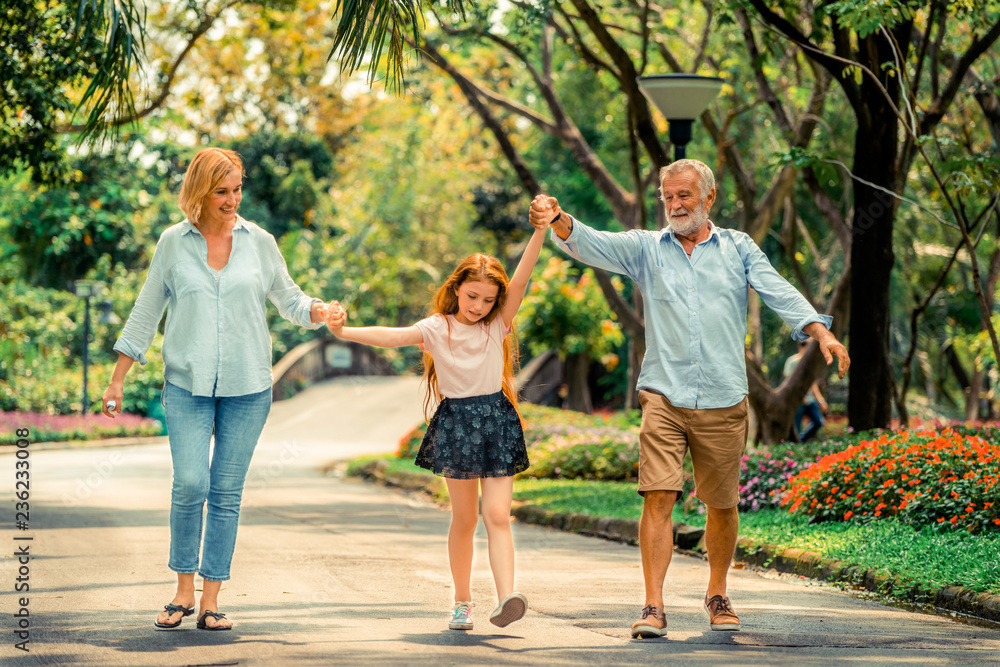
(335, 572)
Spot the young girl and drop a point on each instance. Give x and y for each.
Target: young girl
(475, 437)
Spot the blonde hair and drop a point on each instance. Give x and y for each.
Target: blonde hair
(480, 268)
(208, 168)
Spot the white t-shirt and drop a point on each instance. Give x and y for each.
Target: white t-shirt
(468, 358)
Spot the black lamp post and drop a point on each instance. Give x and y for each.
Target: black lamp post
(680, 98)
(88, 289)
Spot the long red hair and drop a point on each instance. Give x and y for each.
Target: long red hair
(480, 268)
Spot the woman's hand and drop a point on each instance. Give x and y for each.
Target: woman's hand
(336, 317)
(112, 399)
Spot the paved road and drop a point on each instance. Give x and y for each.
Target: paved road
(332, 571)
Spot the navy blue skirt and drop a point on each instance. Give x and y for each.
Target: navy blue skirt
(469, 438)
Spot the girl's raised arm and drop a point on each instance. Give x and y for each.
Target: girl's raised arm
(522, 274)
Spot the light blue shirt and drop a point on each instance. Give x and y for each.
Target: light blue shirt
(695, 307)
(216, 341)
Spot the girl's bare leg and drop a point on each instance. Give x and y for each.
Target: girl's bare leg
(464, 495)
(184, 598)
(497, 493)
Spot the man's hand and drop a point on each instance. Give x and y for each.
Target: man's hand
(830, 347)
(543, 211)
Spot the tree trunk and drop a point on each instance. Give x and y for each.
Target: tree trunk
(577, 366)
(869, 403)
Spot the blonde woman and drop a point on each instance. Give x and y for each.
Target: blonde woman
(215, 271)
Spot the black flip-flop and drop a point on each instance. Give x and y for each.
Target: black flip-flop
(173, 609)
(217, 616)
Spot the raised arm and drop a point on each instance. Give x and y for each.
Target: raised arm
(522, 274)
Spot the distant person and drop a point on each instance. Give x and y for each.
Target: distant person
(693, 277)
(475, 438)
(813, 405)
(213, 272)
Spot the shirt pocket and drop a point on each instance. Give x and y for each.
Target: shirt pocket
(665, 284)
(186, 278)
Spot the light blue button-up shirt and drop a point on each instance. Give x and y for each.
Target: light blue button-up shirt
(216, 341)
(695, 307)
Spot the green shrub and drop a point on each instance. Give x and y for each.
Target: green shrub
(409, 445)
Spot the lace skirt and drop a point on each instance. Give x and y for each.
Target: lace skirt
(474, 437)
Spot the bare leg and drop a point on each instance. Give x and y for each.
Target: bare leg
(721, 530)
(497, 493)
(184, 598)
(464, 495)
(210, 602)
(656, 542)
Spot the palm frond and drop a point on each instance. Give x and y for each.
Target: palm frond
(370, 32)
(109, 93)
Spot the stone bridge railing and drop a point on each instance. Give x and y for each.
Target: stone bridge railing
(322, 359)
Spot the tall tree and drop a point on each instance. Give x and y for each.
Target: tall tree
(886, 58)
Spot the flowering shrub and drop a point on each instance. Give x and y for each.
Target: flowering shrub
(583, 453)
(927, 477)
(53, 428)
(409, 445)
(763, 479)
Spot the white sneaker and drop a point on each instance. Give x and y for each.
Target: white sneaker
(510, 609)
(461, 616)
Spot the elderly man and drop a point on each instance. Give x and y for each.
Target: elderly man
(693, 277)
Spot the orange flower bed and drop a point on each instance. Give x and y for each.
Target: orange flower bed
(925, 477)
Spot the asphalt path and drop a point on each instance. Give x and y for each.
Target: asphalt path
(331, 571)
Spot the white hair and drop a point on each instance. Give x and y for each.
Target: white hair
(706, 179)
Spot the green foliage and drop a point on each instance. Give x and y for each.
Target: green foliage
(41, 337)
(49, 50)
(565, 310)
(61, 232)
(925, 478)
(286, 175)
(409, 444)
(868, 16)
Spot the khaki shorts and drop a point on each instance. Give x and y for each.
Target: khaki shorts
(717, 438)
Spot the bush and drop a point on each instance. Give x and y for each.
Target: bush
(59, 428)
(928, 477)
(409, 445)
(763, 478)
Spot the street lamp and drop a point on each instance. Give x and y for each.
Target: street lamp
(88, 289)
(680, 98)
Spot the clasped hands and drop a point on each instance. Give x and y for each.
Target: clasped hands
(335, 316)
(543, 211)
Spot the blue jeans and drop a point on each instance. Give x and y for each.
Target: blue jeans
(236, 422)
(815, 415)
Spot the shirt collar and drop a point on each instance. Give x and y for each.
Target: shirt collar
(188, 227)
(668, 232)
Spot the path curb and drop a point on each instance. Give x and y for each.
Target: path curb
(688, 538)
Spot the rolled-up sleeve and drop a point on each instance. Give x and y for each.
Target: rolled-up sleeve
(778, 294)
(619, 252)
(292, 303)
(140, 329)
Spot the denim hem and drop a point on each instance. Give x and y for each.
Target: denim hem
(174, 569)
(226, 578)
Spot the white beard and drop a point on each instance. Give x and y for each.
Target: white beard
(687, 225)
